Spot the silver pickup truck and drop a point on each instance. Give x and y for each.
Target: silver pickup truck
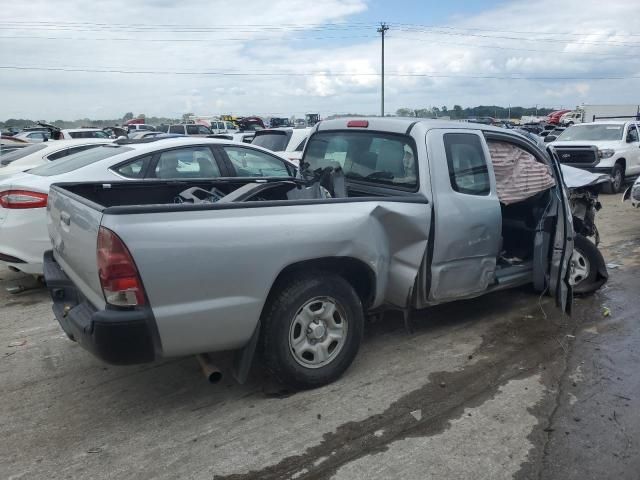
(389, 214)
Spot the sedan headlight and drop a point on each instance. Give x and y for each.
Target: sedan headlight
(606, 152)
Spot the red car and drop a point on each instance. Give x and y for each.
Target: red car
(554, 117)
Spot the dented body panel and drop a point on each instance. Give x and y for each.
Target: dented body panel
(209, 296)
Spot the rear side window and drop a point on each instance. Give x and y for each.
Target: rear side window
(632, 134)
(79, 160)
(373, 157)
(133, 169)
(89, 134)
(300, 147)
(274, 141)
(69, 151)
(194, 162)
(176, 129)
(253, 163)
(467, 164)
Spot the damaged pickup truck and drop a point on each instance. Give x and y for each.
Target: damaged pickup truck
(387, 214)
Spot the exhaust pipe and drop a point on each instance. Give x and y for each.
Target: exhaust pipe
(210, 371)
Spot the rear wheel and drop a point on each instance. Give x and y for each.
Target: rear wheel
(587, 264)
(312, 329)
(617, 180)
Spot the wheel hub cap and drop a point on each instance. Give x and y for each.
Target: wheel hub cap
(318, 332)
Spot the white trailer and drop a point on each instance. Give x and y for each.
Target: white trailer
(592, 113)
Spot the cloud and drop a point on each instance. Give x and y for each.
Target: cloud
(424, 67)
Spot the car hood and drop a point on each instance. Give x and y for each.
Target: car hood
(581, 143)
(577, 178)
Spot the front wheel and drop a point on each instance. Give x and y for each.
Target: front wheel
(312, 329)
(617, 180)
(588, 270)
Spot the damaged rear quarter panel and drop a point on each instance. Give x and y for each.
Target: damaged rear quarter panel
(210, 296)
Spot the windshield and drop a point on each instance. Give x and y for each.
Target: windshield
(21, 153)
(593, 132)
(89, 134)
(274, 141)
(78, 160)
(365, 156)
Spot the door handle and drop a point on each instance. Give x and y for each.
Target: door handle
(65, 218)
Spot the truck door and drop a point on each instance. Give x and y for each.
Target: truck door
(467, 221)
(562, 243)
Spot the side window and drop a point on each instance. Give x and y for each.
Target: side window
(467, 164)
(195, 162)
(192, 130)
(300, 147)
(632, 134)
(176, 129)
(69, 151)
(133, 169)
(202, 130)
(253, 163)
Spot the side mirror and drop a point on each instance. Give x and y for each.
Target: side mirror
(549, 138)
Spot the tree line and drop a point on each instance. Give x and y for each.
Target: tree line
(459, 113)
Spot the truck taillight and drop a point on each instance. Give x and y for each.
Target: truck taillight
(18, 199)
(118, 273)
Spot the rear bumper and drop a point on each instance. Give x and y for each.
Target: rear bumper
(119, 337)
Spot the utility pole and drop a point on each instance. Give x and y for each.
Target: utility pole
(383, 28)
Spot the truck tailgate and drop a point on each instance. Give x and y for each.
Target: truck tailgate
(73, 228)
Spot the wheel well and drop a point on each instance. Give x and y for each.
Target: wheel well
(356, 272)
(623, 163)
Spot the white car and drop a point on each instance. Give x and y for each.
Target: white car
(611, 147)
(41, 153)
(69, 133)
(287, 142)
(23, 196)
(35, 136)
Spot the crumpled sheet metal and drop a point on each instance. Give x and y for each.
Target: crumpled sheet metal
(518, 174)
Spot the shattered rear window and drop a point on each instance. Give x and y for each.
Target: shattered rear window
(371, 157)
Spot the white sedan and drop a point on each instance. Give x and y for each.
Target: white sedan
(23, 196)
(41, 153)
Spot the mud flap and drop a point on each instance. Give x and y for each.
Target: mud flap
(244, 357)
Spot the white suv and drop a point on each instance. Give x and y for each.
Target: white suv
(611, 147)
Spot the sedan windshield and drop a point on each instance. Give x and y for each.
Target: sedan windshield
(593, 132)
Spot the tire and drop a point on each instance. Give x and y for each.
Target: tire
(589, 271)
(617, 180)
(294, 353)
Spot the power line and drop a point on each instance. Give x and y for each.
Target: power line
(499, 47)
(298, 74)
(502, 37)
(508, 31)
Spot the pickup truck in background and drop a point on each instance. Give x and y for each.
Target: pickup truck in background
(611, 147)
(389, 214)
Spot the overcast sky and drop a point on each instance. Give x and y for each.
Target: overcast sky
(68, 59)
